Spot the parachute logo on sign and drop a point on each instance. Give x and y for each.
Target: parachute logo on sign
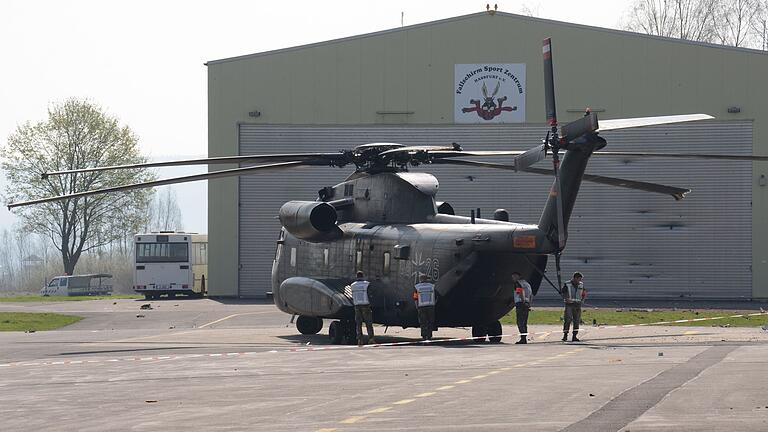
(489, 93)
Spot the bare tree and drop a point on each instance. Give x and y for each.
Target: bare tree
(164, 212)
(653, 17)
(684, 19)
(759, 25)
(734, 19)
(77, 134)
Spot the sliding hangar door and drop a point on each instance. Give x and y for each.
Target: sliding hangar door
(629, 244)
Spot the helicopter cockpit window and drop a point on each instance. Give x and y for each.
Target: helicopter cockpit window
(349, 189)
(293, 257)
(387, 261)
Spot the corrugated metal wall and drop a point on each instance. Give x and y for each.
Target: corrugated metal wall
(629, 244)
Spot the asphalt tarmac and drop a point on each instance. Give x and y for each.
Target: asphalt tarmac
(200, 365)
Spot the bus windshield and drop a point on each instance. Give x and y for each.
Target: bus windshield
(162, 252)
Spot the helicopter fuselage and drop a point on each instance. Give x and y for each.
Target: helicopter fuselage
(470, 263)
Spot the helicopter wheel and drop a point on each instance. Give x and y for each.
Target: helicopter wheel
(307, 325)
(350, 335)
(494, 332)
(336, 332)
(479, 332)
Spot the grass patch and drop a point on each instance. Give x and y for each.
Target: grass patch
(39, 298)
(24, 321)
(612, 317)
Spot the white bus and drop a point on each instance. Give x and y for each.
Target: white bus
(170, 263)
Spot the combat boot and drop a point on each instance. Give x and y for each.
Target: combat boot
(522, 340)
(574, 338)
(565, 337)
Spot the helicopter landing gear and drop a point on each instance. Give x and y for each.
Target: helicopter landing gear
(494, 332)
(479, 332)
(342, 332)
(309, 325)
(335, 332)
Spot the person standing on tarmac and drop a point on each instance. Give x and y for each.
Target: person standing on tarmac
(523, 298)
(424, 296)
(363, 312)
(573, 295)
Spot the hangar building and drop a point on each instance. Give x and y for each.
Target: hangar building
(410, 84)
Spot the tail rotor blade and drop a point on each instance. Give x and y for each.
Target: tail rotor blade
(549, 83)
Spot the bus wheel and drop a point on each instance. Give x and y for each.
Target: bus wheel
(309, 325)
(335, 332)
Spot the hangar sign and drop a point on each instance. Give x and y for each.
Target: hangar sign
(489, 93)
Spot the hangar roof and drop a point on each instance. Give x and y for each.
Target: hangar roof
(479, 14)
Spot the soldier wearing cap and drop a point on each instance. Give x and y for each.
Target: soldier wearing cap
(573, 295)
(363, 312)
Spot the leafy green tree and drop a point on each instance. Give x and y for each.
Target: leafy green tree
(77, 134)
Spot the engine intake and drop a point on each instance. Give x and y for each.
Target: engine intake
(310, 220)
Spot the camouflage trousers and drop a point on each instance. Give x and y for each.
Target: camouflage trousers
(363, 314)
(426, 321)
(572, 315)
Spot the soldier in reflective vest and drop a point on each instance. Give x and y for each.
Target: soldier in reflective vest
(363, 312)
(424, 295)
(523, 298)
(573, 295)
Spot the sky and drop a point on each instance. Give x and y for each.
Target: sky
(143, 61)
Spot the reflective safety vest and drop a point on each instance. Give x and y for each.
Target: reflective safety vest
(523, 292)
(573, 294)
(426, 293)
(360, 293)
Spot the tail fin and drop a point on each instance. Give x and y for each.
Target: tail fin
(571, 174)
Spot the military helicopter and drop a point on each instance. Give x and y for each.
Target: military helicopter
(386, 221)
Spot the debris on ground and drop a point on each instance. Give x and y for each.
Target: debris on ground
(145, 306)
(114, 303)
(171, 327)
(591, 395)
(150, 401)
(640, 310)
(139, 316)
(29, 331)
(620, 310)
(661, 354)
(765, 327)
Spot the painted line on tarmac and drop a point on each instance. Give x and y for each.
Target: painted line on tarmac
(355, 419)
(349, 347)
(231, 316)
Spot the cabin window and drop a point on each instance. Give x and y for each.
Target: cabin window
(325, 257)
(402, 252)
(279, 249)
(387, 261)
(349, 189)
(359, 260)
(62, 282)
(293, 257)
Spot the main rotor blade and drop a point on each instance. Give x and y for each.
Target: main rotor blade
(185, 179)
(675, 192)
(683, 155)
(606, 125)
(320, 158)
